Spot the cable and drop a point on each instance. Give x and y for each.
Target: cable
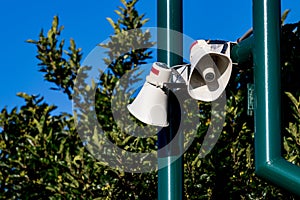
(246, 35)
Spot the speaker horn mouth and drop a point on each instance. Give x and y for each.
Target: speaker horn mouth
(210, 70)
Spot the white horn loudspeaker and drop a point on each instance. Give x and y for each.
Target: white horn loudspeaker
(150, 105)
(210, 69)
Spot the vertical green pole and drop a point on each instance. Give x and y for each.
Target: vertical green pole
(266, 18)
(269, 163)
(170, 176)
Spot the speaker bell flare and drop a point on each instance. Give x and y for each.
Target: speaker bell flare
(150, 105)
(210, 70)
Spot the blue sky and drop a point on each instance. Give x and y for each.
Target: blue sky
(85, 22)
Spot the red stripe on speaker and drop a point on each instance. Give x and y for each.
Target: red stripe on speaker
(155, 71)
(194, 43)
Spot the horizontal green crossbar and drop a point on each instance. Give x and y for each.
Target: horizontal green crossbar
(242, 51)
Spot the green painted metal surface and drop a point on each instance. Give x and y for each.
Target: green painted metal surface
(170, 177)
(269, 162)
(242, 51)
(265, 47)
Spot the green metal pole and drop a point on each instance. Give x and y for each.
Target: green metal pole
(170, 177)
(269, 163)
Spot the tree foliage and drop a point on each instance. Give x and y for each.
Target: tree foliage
(42, 155)
(58, 65)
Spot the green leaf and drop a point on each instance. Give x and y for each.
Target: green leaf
(119, 13)
(293, 99)
(111, 22)
(24, 95)
(31, 41)
(51, 188)
(55, 23)
(291, 159)
(284, 15)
